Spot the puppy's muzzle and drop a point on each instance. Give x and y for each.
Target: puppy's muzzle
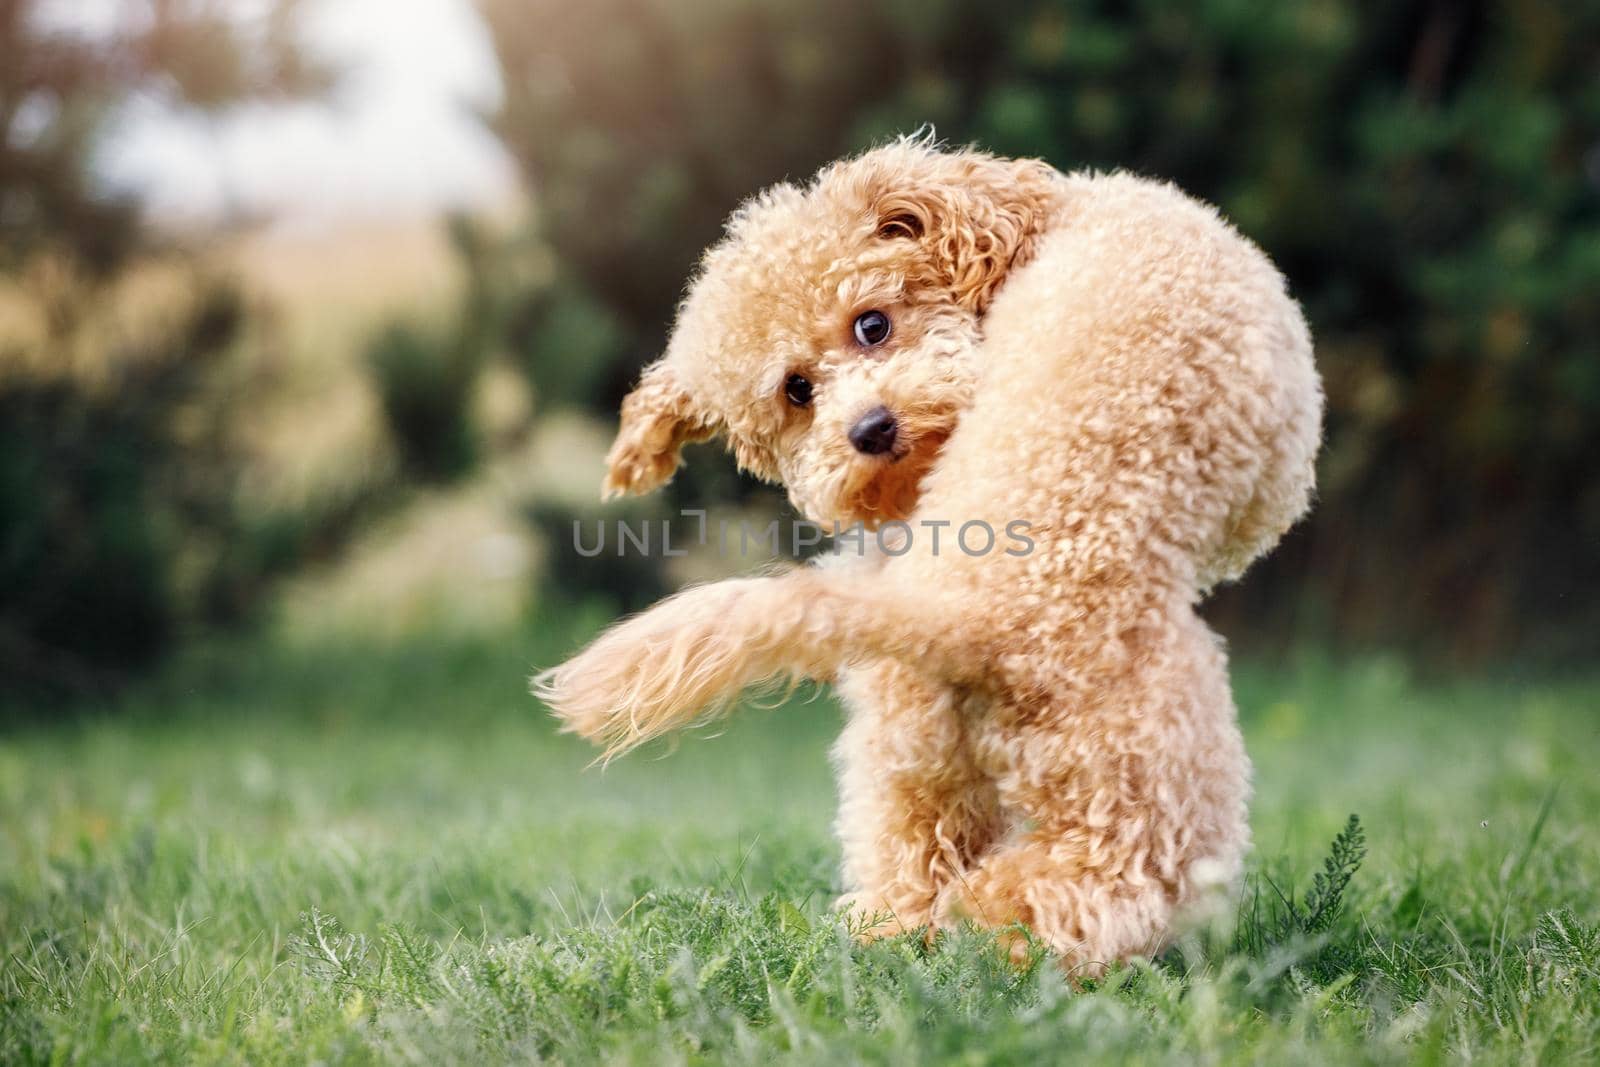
(874, 433)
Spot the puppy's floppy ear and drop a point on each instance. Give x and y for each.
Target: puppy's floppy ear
(658, 418)
(976, 216)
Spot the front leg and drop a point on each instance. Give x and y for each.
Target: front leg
(914, 811)
(694, 652)
(688, 655)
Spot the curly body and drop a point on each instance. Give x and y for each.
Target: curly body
(1045, 737)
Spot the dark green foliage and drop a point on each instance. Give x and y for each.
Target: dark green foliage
(1324, 900)
(1281, 930)
(1571, 946)
(567, 343)
(1426, 173)
(426, 384)
(427, 376)
(120, 523)
(97, 493)
(122, 526)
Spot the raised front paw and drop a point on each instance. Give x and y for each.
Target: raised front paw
(588, 695)
(662, 670)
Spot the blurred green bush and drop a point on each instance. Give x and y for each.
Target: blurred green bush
(121, 527)
(427, 377)
(425, 381)
(1426, 172)
(124, 526)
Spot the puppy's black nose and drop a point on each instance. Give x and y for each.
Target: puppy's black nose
(874, 432)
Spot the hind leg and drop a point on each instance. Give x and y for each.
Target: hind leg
(1101, 874)
(914, 812)
(1129, 803)
(1090, 919)
(1109, 846)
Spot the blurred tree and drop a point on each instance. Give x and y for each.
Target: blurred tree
(61, 90)
(119, 521)
(1427, 173)
(427, 378)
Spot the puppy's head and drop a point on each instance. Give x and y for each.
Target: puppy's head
(832, 335)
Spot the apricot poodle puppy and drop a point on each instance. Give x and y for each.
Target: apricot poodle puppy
(921, 337)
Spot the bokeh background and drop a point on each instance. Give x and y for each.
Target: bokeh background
(314, 315)
(314, 319)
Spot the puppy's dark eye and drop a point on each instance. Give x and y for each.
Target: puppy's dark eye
(872, 328)
(798, 389)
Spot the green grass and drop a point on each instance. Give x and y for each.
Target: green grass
(348, 854)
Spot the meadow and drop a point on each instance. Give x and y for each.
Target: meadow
(335, 851)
